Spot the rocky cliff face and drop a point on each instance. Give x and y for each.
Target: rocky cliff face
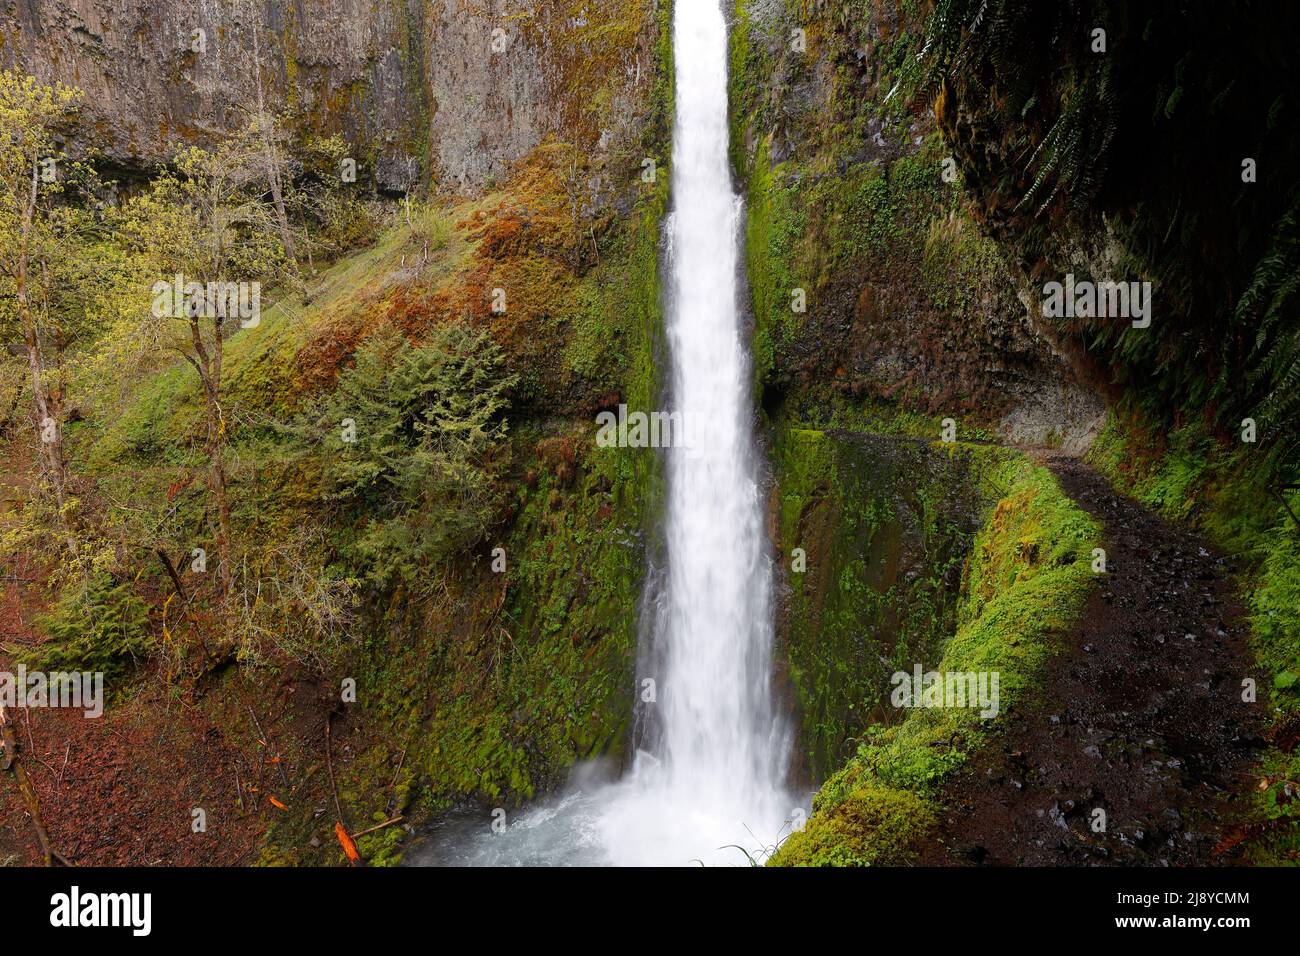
(155, 74)
(454, 89)
(1133, 142)
(855, 200)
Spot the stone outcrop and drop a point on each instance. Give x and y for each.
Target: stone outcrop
(457, 90)
(860, 204)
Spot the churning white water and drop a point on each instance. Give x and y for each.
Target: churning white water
(711, 776)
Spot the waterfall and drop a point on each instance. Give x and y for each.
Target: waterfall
(722, 747)
(711, 776)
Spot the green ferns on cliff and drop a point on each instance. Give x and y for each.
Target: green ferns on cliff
(1078, 125)
(1271, 305)
(979, 39)
(409, 430)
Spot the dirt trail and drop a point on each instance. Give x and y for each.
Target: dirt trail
(1140, 716)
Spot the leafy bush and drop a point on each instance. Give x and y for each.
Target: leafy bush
(409, 435)
(99, 624)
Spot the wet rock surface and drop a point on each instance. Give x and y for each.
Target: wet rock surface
(455, 91)
(886, 523)
(1141, 717)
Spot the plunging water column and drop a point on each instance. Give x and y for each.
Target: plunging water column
(711, 776)
(723, 748)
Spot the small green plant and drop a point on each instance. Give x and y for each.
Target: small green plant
(98, 624)
(408, 436)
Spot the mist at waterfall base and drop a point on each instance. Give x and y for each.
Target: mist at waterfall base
(712, 777)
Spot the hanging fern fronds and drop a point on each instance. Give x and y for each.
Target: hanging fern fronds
(1007, 43)
(1200, 201)
(1272, 304)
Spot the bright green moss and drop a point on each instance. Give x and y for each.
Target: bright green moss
(874, 825)
(546, 677)
(883, 527)
(1025, 584)
(1275, 617)
(772, 229)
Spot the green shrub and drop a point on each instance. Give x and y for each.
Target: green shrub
(98, 625)
(408, 437)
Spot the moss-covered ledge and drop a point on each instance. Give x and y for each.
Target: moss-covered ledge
(875, 530)
(1024, 586)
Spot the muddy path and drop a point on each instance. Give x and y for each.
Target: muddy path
(1140, 716)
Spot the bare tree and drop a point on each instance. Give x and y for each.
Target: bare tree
(29, 181)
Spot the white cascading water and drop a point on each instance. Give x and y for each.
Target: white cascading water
(716, 779)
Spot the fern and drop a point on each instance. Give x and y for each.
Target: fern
(417, 475)
(98, 625)
(1272, 305)
(968, 39)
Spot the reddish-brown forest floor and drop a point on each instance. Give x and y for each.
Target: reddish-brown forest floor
(121, 789)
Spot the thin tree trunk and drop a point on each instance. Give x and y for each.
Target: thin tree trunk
(271, 160)
(171, 572)
(218, 484)
(281, 218)
(47, 411)
(9, 747)
(51, 439)
(209, 366)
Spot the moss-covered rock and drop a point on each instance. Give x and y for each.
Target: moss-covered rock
(874, 532)
(874, 825)
(1024, 585)
(867, 273)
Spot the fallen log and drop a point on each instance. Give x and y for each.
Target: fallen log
(13, 763)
